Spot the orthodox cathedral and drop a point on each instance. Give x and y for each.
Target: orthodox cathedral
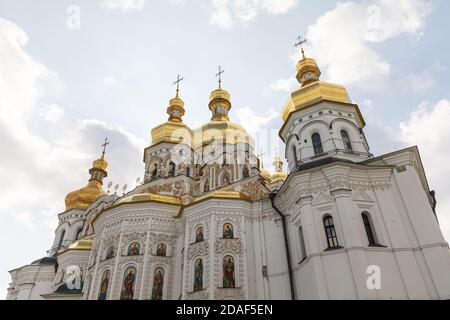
(209, 222)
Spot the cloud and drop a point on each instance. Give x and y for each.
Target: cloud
(110, 81)
(26, 218)
(341, 38)
(125, 5)
(427, 127)
(225, 12)
(284, 84)
(52, 113)
(278, 6)
(258, 121)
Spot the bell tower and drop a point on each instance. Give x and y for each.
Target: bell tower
(320, 120)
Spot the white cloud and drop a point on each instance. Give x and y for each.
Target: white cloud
(253, 120)
(125, 5)
(46, 169)
(225, 12)
(420, 82)
(110, 81)
(278, 6)
(341, 38)
(221, 14)
(427, 128)
(284, 84)
(52, 113)
(26, 218)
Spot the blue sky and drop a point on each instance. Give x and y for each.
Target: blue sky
(73, 72)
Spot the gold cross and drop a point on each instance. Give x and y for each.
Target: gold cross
(104, 145)
(300, 42)
(220, 76)
(177, 83)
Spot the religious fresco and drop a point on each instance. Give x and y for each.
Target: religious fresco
(198, 275)
(111, 253)
(228, 272)
(127, 292)
(199, 235)
(134, 249)
(158, 284)
(104, 285)
(161, 250)
(228, 232)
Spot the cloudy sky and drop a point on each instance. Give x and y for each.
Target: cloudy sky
(73, 72)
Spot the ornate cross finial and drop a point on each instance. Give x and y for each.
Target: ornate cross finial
(220, 76)
(104, 145)
(177, 83)
(300, 42)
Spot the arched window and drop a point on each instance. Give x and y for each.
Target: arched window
(158, 284)
(330, 232)
(134, 249)
(198, 275)
(104, 284)
(110, 253)
(61, 239)
(302, 243)
(228, 231)
(161, 250)
(228, 272)
(199, 234)
(155, 172)
(317, 144)
(129, 278)
(369, 229)
(172, 169)
(346, 140)
(188, 172)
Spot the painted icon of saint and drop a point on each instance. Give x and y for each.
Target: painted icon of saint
(161, 250)
(134, 249)
(158, 284)
(199, 235)
(104, 286)
(228, 272)
(198, 275)
(228, 231)
(128, 284)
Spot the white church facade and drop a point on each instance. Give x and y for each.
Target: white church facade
(209, 222)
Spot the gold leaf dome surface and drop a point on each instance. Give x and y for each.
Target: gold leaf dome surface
(81, 199)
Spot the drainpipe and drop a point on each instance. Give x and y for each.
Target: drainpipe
(286, 244)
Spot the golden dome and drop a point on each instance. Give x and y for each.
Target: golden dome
(278, 176)
(307, 71)
(314, 91)
(81, 199)
(100, 164)
(220, 94)
(172, 132)
(222, 132)
(265, 174)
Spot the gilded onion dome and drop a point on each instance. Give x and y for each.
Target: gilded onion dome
(313, 90)
(174, 130)
(279, 175)
(81, 199)
(220, 129)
